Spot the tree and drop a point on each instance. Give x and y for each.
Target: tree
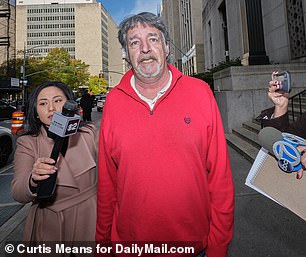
(58, 66)
(97, 85)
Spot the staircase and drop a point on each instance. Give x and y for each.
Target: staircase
(244, 139)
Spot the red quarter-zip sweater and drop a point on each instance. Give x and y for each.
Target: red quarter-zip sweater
(165, 175)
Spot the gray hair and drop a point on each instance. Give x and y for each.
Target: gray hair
(145, 18)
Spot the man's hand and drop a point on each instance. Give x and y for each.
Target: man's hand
(279, 99)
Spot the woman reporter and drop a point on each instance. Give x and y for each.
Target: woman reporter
(71, 214)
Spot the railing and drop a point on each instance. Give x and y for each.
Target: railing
(293, 99)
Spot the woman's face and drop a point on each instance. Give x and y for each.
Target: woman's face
(50, 99)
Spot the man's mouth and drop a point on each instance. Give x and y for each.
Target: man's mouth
(147, 59)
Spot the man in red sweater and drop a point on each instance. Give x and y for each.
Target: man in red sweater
(164, 170)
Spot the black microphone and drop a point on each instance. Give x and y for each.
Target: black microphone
(284, 147)
(62, 125)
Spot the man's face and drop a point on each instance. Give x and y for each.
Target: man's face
(147, 51)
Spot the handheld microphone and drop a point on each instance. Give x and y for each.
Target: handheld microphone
(284, 147)
(268, 136)
(62, 125)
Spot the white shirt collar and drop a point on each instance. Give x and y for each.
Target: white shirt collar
(151, 102)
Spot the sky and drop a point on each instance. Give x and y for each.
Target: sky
(120, 9)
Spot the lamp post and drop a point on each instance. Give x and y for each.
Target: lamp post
(23, 71)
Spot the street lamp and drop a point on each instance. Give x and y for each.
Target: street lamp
(23, 70)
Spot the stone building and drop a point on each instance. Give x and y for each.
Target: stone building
(266, 36)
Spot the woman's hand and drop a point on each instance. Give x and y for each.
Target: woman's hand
(279, 99)
(42, 169)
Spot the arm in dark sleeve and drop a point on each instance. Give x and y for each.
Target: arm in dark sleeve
(282, 123)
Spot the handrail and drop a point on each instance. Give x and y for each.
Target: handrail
(292, 98)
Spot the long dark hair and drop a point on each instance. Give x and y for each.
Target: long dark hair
(32, 122)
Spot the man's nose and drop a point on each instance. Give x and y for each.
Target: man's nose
(145, 47)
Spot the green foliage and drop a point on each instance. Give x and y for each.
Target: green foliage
(97, 85)
(58, 66)
(208, 76)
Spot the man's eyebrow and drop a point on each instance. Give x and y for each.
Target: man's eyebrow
(153, 34)
(150, 34)
(133, 37)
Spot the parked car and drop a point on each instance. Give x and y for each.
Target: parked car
(6, 110)
(7, 145)
(100, 102)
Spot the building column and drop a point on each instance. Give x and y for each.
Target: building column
(256, 44)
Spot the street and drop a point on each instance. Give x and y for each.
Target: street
(262, 227)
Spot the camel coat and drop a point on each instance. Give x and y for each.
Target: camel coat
(72, 216)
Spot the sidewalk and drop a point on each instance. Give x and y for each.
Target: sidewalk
(262, 227)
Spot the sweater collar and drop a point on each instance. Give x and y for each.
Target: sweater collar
(125, 84)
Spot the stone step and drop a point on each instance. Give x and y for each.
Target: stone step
(245, 138)
(242, 146)
(253, 126)
(247, 135)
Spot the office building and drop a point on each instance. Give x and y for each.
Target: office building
(183, 19)
(83, 28)
(171, 18)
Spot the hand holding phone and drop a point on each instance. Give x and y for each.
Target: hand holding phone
(284, 81)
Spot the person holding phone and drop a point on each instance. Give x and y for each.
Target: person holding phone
(278, 117)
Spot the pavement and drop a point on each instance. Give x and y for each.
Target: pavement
(262, 227)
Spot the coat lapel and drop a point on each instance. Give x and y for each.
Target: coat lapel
(78, 158)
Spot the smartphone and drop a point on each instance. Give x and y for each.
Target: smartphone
(285, 81)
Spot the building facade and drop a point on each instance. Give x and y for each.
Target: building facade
(7, 36)
(116, 65)
(266, 36)
(191, 36)
(9, 84)
(43, 25)
(255, 31)
(171, 18)
(183, 19)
